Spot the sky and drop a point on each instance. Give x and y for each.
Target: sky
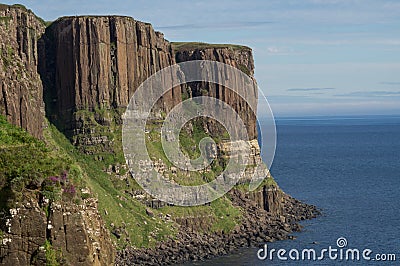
(312, 57)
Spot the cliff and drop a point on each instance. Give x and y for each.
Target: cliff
(46, 212)
(240, 57)
(85, 69)
(98, 62)
(36, 228)
(68, 234)
(21, 99)
(93, 66)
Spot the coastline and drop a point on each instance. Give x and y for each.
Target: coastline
(258, 226)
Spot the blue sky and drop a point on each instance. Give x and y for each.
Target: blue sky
(313, 57)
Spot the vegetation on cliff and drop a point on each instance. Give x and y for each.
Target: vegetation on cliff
(125, 217)
(28, 163)
(76, 172)
(185, 46)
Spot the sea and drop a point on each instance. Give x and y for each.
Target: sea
(350, 168)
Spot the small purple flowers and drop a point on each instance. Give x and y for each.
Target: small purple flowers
(70, 189)
(64, 176)
(64, 182)
(54, 179)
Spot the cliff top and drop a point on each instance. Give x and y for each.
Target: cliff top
(4, 6)
(17, 6)
(184, 46)
(101, 16)
(23, 8)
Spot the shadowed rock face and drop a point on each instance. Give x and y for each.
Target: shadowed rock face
(98, 62)
(21, 90)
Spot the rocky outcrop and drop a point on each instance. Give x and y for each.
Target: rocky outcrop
(269, 198)
(21, 95)
(76, 234)
(79, 232)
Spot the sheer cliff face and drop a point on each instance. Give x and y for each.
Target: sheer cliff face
(98, 62)
(21, 92)
(240, 57)
(76, 231)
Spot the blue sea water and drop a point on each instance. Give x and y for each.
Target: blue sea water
(350, 168)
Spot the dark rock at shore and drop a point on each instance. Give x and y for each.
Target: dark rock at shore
(258, 226)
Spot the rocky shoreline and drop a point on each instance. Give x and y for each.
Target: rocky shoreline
(258, 226)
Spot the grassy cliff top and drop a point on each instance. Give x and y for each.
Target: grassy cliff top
(4, 6)
(183, 46)
(23, 8)
(103, 16)
(16, 6)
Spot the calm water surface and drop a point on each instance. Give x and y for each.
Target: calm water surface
(348, 167)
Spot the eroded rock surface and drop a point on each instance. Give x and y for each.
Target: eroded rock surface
(21, 95)
(76, 233)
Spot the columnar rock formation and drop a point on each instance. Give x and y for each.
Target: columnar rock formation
(98, 62)
(240, 57)
(21, 92)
